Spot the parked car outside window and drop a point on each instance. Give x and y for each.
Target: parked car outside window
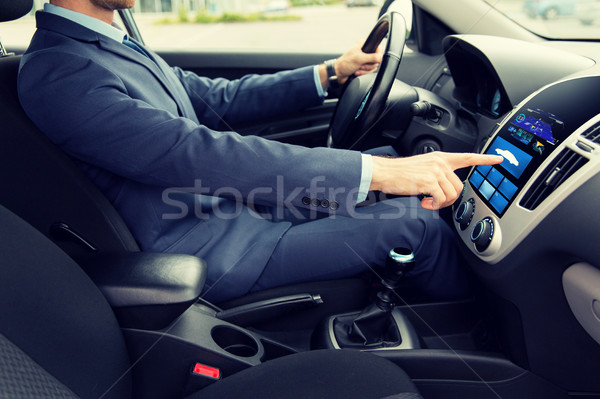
(553, 19)
(355, 3)
(549, 9)
(587, 11)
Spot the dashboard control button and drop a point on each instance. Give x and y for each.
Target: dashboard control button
(482, 233)
(464, 213)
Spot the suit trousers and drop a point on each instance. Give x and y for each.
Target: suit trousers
(324, 248)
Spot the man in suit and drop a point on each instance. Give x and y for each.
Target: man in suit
(155, 140)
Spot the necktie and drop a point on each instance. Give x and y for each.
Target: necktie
(131, 44)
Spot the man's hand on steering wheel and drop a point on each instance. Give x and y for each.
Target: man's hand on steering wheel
(354, 62)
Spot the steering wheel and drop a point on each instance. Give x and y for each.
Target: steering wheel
(363, 98)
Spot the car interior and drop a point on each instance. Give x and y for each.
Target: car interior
(86, 313)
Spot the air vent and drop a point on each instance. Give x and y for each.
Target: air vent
(559, 170)
(593, 133)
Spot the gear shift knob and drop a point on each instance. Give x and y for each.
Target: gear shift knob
(399, 262)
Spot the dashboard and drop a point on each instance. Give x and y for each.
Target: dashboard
(528, 228)
(547, 143)
(539, 104)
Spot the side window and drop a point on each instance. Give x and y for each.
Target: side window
(256, 25)
(252, 25)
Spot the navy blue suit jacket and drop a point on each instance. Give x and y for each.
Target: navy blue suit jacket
(153, 139)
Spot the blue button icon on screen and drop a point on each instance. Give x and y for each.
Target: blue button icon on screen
(498, 202)
(495, 177)
(507, 188)
(476, 179)
(484, 169)
(486, 189)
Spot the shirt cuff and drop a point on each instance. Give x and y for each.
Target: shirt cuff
(365, 178)
(322, 93)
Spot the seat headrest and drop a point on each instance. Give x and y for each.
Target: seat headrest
(14, 9)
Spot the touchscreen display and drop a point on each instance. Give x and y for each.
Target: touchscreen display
(530, 136)
(524, 142)
(534, 131)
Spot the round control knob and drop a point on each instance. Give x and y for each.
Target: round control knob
(464, 213)
(482, 234)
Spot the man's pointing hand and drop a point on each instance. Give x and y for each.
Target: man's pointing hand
(431, 174)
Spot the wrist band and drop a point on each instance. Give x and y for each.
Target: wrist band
(331, 75)
(329, 65)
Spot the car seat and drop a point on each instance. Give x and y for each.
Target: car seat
(59, 338)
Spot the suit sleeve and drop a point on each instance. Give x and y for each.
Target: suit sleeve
(86, 110)
(235, 101)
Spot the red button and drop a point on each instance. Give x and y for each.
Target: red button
(207, 371)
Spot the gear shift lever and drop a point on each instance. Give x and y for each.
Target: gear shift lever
(399, 262)
(375, 326)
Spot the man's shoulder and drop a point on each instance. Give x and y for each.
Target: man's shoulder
(46, 42)
(48, 51)
(57, 35)
(55, 25)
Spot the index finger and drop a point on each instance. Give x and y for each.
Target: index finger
(467, 159)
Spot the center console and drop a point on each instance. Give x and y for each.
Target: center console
(545, 142)
(167, 360)
(177, 342)
(202, 343)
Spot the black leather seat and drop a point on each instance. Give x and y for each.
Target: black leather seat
(59, 338)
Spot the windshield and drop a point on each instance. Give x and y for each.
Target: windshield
(555, 19)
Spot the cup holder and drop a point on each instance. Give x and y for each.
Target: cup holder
(234, 341)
